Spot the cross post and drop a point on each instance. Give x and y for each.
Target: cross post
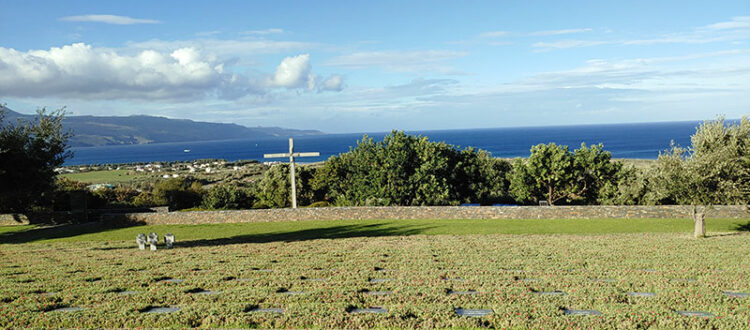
(291, 154)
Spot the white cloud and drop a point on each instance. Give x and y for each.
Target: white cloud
(263, 32)
(109, 19)
(559, 32)
(563, 44)
(332, 83)
(741, 22)
(226, 47)
(80, 71)
(494, 34)
(730, 31)
(427, 61)
(293, 72)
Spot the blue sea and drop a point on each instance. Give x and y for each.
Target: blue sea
(643, 140)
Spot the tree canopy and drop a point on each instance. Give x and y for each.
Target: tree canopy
(29, 153)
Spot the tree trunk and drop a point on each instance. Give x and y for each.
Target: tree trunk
(549, 195)
(699, 218)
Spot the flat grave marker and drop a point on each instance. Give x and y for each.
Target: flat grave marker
(550, 293)
(604, 280)
(468, 292)
(267, 310)
(684, 280)
(371, 310)
(736, 294)
(378, 293)
(695, 313)
(173, 280)
(582, 312)
(161, 310)
(473, 312)
(380, 280)
(67, 309)
(531, 280)
(641, 294)
(48, 294)
(208, 292)
(128, 293)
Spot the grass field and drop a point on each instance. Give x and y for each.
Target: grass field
(422, 269)
(109, 176)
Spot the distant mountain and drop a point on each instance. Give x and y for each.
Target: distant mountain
(99, 131)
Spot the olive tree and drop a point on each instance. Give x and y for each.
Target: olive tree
(554, 174)
(715, 170)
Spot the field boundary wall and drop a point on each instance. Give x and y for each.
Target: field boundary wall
(428, 212)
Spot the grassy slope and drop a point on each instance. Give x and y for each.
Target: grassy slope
(305, 230)
(113, 176)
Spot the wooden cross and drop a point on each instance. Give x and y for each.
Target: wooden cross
(291, 154)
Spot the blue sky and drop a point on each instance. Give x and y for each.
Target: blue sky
(354, 66)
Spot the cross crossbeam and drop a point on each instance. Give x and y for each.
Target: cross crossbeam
(291, 154)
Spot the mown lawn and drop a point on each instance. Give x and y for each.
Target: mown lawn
(416, 266)
(304, 230)
(108, 176)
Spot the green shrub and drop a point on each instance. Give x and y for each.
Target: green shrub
(227, 197)
(320, 204)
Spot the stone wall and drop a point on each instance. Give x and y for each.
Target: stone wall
(427, 212)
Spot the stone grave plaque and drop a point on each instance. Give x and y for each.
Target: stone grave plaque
(604, 280)
(378, 293)
(48, 294)
(243, 279)
(530, 280)
(161, 310)
(550, 293)
(267, 310)
(641, 294)
(292, 293)
(173, 280)
(582, 312)
(128, 293)
(695, 313)
(737, 294)
(67, 309)
(313, 279)
(468, 292)
(380, 280)
(455, 279)
(684, 280)
(371, 310)
(208, 292)
(473, 312)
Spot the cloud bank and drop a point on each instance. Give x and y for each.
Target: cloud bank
(108, 19)
(185, 74)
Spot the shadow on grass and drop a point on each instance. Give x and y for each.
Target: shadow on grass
(345, 231)
(61, 231)
(743, 227)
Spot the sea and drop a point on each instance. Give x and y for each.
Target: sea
(640, 141)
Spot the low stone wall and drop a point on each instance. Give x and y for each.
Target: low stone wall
(427, 212)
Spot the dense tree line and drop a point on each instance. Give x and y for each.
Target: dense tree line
(408, 170)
